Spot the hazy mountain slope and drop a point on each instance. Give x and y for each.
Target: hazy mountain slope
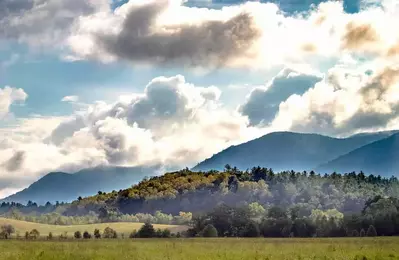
(287, 150)
(59, 186)
(380, 157)
(375, 136)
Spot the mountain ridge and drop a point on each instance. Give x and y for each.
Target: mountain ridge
(66, 187)
(288, 151)
(378, 158)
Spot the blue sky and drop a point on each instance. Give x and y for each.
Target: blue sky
(143, 82)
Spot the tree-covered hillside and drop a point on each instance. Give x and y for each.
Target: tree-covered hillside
(239, 203)
(187, 191)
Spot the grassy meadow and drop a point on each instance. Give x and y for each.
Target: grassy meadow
(205, 249)
(126, 228)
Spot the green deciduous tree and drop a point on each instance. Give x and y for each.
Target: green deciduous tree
(371, 232)
(109, 233)
(209, 231)
(6, 231)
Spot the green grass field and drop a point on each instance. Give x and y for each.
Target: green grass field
(126, 228)
(205, 249)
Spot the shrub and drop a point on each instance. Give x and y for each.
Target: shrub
(64, 236)
(34, 234)
(147, 231)
(371, 232)
(97, 234)
(6, 231)
(133, 234)
(86, 235)
(166, 233)
(109, 233)
(362, 233)
(355, 233)
(78, 235)
(209, 231)
(50, 236)
(158, 233)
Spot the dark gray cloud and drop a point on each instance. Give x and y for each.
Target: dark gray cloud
(210, 43)
(38, 21)
(15, 162)
(65, 130)
(263, 102)
(14, 7)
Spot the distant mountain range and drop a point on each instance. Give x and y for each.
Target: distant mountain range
(372, 153)
(380, 157)
(65, 187)
(295, 151)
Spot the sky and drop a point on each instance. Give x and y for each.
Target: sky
(86, 83)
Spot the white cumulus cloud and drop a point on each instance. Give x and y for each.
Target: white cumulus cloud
(173, 123)
(8, 96)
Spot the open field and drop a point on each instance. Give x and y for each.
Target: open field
(205, 249)
(126, 228)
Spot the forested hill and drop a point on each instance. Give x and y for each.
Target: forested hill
(187, 191)
(286, 150)
(236, 203)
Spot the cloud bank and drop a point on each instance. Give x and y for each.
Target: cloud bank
(169, 33)
(172, 122)
(346, 101)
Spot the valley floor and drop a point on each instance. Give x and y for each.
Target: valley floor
(382, 248)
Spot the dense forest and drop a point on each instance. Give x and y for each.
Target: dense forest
(196, 192)
(234, 202)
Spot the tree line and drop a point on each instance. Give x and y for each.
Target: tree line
(380, 217)
(146, 231)
(334, 199)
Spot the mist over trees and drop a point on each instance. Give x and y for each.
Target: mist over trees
(196, 192)
(255, 202)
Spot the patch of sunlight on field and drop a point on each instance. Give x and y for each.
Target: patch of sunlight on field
(205, 249)
(126, 228)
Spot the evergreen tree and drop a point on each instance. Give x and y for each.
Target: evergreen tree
(147, 231)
